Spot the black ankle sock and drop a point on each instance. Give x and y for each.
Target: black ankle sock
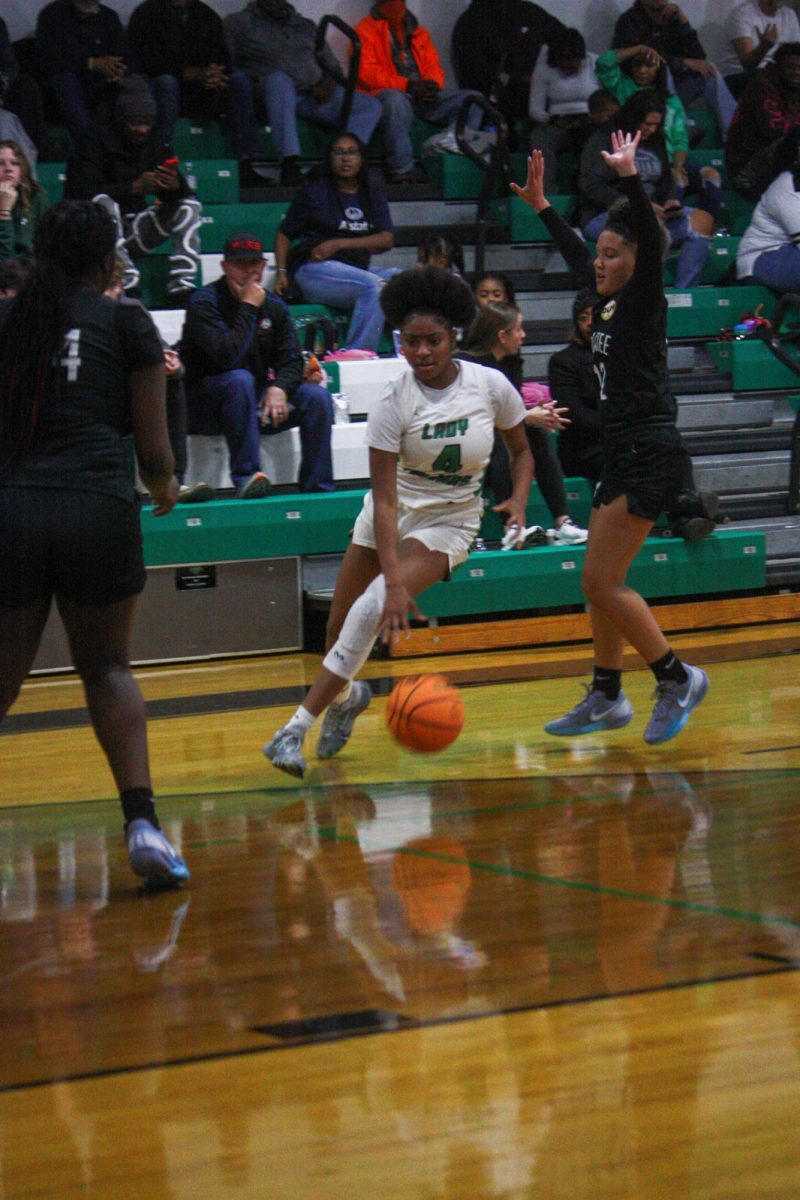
(669, 668)
(137, 803)
(607, 681)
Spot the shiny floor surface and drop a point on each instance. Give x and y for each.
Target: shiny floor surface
(523, 967)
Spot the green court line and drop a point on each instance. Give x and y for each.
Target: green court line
(581, 885)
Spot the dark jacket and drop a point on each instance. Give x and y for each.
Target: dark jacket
(500, 34)
(165, 41)
(8, 64)
(599, 184)
(105, 163)
(572, 383)
(65, 40)
(222, 334)
(673, 38)
(259, 43)
(765, 113)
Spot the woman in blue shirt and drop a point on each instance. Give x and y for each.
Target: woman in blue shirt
(325, 241)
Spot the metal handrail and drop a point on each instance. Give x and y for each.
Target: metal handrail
(495, 169)
(348, 81)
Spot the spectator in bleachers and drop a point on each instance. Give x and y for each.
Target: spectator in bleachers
(494, 287)
(664, 26)
(22, 202)
(244, 365)
(19, 95)
(337, 222)
(401, 68)
(603, 105)
(755, 30)
(768, 250)
(495, 339)
(180, 45)
(688, 229)
(441, 250)
(768, 110)
(274, 44)
(13, 273)
(573, 386)
(82, 56)
(559, 99)
(495, 46)
(121, 163)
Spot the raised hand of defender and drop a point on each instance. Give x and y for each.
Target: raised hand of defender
(623, 152)
(533, 191)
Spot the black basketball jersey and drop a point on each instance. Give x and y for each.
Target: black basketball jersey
(80, 433)
(629, 328)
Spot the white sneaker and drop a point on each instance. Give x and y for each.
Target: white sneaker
(284, 751)
(340, 719)
(567, 534)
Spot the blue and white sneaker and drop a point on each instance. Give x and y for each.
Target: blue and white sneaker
(674, 704)
(340, 719)
(593, 714)
(284, 751)
(151, 856)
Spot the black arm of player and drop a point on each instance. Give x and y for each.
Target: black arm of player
(573, 248)
(648, 274)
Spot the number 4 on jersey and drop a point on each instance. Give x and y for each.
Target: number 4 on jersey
(448, 462)
(71, 351)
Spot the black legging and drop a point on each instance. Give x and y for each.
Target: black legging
(547, 470)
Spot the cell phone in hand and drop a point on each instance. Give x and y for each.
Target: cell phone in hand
(170, 164)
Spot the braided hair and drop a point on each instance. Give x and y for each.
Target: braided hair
(74, 241)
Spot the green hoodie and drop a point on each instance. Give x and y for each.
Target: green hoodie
(611, 76)
(16, 235)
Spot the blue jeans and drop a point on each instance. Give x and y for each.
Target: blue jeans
(73, 102)
(714, 91)
(694, 247)
(228, 403)
(398, 112)
(236, 101)
(342, 286)
(778, 269)
(284, 104)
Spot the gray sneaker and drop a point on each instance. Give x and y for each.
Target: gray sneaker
(339, 721)
(284, 752)
(255, 488)
(593, 714)
(674, 703)
(151, 856)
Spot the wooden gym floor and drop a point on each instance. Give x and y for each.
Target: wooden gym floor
(525, 967)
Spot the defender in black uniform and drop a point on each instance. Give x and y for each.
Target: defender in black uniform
(646, 463)
(77, 371)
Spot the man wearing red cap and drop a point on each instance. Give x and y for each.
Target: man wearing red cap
(244, 367)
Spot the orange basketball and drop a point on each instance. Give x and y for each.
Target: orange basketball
(425, 713)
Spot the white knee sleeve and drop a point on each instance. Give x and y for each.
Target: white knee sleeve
(352, 649)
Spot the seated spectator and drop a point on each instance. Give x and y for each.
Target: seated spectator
(494, 287)
(687, 229)
(13, 273)
(275, 46)
(180, 45)
(632, 69)
(337, 223)
(495, 339)
(120, 163)
(603, 105)
(20, 96)
(769, 109)
(82, 56)
(664, 26)
(243, 365)
(768, 252)
(22, 202)
(400, 66)
(755, 30)
(441, 250)
(573, 386)
(495, 45)
(559, 100)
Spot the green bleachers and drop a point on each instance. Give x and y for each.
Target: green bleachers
(703, 312)
(751, 366)
(460, 179)
(721, 259)
(52, 176)
(526, 226)
(215, 180)
(198, 139)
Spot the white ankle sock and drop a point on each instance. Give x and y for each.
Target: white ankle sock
(301, 721)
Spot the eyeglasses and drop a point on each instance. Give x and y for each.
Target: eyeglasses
(337, 153)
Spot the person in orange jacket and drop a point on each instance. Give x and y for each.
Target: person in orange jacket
(401, 66)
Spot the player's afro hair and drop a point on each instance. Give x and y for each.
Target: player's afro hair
(428, 290)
